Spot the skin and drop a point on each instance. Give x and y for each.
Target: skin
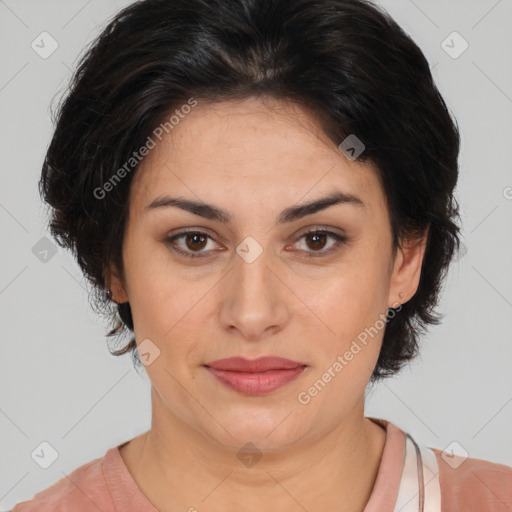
(255, 158)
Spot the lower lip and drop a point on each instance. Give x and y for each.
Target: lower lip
(254, 383)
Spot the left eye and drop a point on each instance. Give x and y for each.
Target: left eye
(318, 238)
(198, 240)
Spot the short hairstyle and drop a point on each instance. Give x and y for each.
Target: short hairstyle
(346, 61)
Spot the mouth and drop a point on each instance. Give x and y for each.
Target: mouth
(255, 377)
(262, 364)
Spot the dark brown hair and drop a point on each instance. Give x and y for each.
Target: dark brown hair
(346, 61)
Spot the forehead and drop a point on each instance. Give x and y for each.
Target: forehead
(250, 152)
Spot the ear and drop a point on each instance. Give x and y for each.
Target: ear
(407, 269)
(114, 282)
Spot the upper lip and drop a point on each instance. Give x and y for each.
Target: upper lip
(261, 364)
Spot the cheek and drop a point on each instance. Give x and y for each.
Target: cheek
(169, 311)
(163, 306)
(351, 306)
(354, 313)
(350, 301)
(156, 297)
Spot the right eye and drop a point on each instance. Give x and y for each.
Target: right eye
(194, 239)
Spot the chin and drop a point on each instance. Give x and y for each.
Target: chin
(266, 431)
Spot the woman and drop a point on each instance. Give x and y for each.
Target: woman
(265, 191)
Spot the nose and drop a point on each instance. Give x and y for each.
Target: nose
(254, 303)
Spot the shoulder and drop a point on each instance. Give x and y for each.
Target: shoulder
(474, 484)
(83, 489)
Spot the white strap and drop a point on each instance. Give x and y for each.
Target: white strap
(408, 499)
(408, 492)
(431, 480)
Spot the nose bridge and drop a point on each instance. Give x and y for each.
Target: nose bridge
(252, 275)
(256, 300)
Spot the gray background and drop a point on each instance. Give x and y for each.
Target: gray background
(59, 384)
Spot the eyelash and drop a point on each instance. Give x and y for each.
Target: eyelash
(339, 240)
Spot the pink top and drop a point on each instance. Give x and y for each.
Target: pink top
(106, 484)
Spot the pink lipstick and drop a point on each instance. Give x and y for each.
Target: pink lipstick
(257, 376)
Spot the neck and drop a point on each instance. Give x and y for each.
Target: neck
(178, 467)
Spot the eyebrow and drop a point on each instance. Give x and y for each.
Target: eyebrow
(289, 214)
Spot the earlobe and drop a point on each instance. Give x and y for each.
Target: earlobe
(407, 269)
(114, 284)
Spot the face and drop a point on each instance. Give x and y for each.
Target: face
(255, 283)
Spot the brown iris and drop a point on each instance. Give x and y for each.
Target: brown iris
(316, 237)
(198, 241)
